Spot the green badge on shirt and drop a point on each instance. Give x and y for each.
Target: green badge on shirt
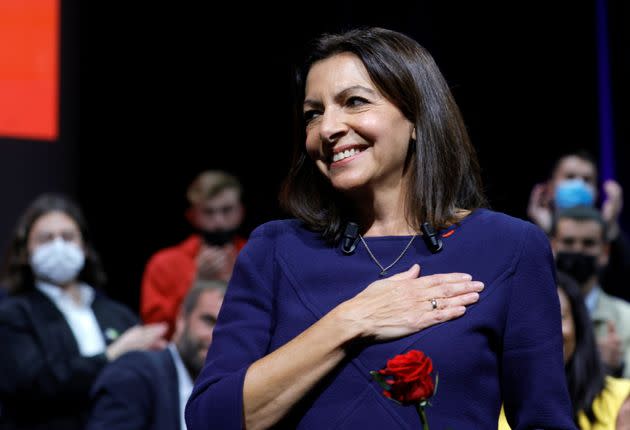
(111, 333)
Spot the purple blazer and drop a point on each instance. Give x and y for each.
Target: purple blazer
(506, 348)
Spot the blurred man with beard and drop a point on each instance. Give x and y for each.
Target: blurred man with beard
(148, 390)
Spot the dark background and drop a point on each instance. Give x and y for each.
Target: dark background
(153, 94)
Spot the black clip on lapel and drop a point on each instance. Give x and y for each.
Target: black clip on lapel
(350, 238)
(431, 239)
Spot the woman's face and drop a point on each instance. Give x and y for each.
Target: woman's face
(50, 226)
(568, 326)
(355, 135)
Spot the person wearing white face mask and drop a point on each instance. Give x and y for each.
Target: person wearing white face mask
(58, 261)
(57, 330)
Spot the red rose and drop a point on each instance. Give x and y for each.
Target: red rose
(408, 380)
(410, 377)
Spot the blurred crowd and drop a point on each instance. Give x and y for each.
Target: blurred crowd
(72, 358)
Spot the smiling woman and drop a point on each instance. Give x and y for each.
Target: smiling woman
(383, 146)
(349, 121)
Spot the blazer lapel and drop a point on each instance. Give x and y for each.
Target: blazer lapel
(171, 391)
(112, 321)
(51, 325)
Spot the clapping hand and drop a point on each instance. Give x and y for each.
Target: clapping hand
(611, 208)
(539, 207)
(139, 337)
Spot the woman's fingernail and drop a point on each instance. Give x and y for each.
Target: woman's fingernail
(478, 285)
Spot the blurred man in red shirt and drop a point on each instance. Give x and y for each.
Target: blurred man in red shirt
(216, 212)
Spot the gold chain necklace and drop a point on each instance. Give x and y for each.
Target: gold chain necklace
(378, 263)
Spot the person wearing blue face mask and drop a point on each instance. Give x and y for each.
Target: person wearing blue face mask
(573, 192)
(573, 183)
(56, 330)
(572, 179)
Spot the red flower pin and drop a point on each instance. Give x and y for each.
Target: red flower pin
(408, 380)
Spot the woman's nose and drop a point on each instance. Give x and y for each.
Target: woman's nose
(333, 125)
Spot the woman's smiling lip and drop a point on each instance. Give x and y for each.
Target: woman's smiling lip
(341, 163)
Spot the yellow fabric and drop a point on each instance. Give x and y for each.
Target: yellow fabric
(606, 406)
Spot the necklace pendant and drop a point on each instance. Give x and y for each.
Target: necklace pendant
(384, 269)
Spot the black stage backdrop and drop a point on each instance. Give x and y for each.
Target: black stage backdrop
(170, 89)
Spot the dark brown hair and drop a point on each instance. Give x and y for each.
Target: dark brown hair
(199, 287)
(579, 214)
(17, 274)
(584, 370)
(444, 172)
(582, 154)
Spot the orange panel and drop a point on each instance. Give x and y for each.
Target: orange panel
(29, 68)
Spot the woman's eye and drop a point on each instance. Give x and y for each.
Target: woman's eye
(69, 236)
(310, 115)
(356, 101)
(45, 237)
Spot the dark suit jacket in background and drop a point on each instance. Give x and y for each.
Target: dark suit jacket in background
(139, 391)
(44, 381)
